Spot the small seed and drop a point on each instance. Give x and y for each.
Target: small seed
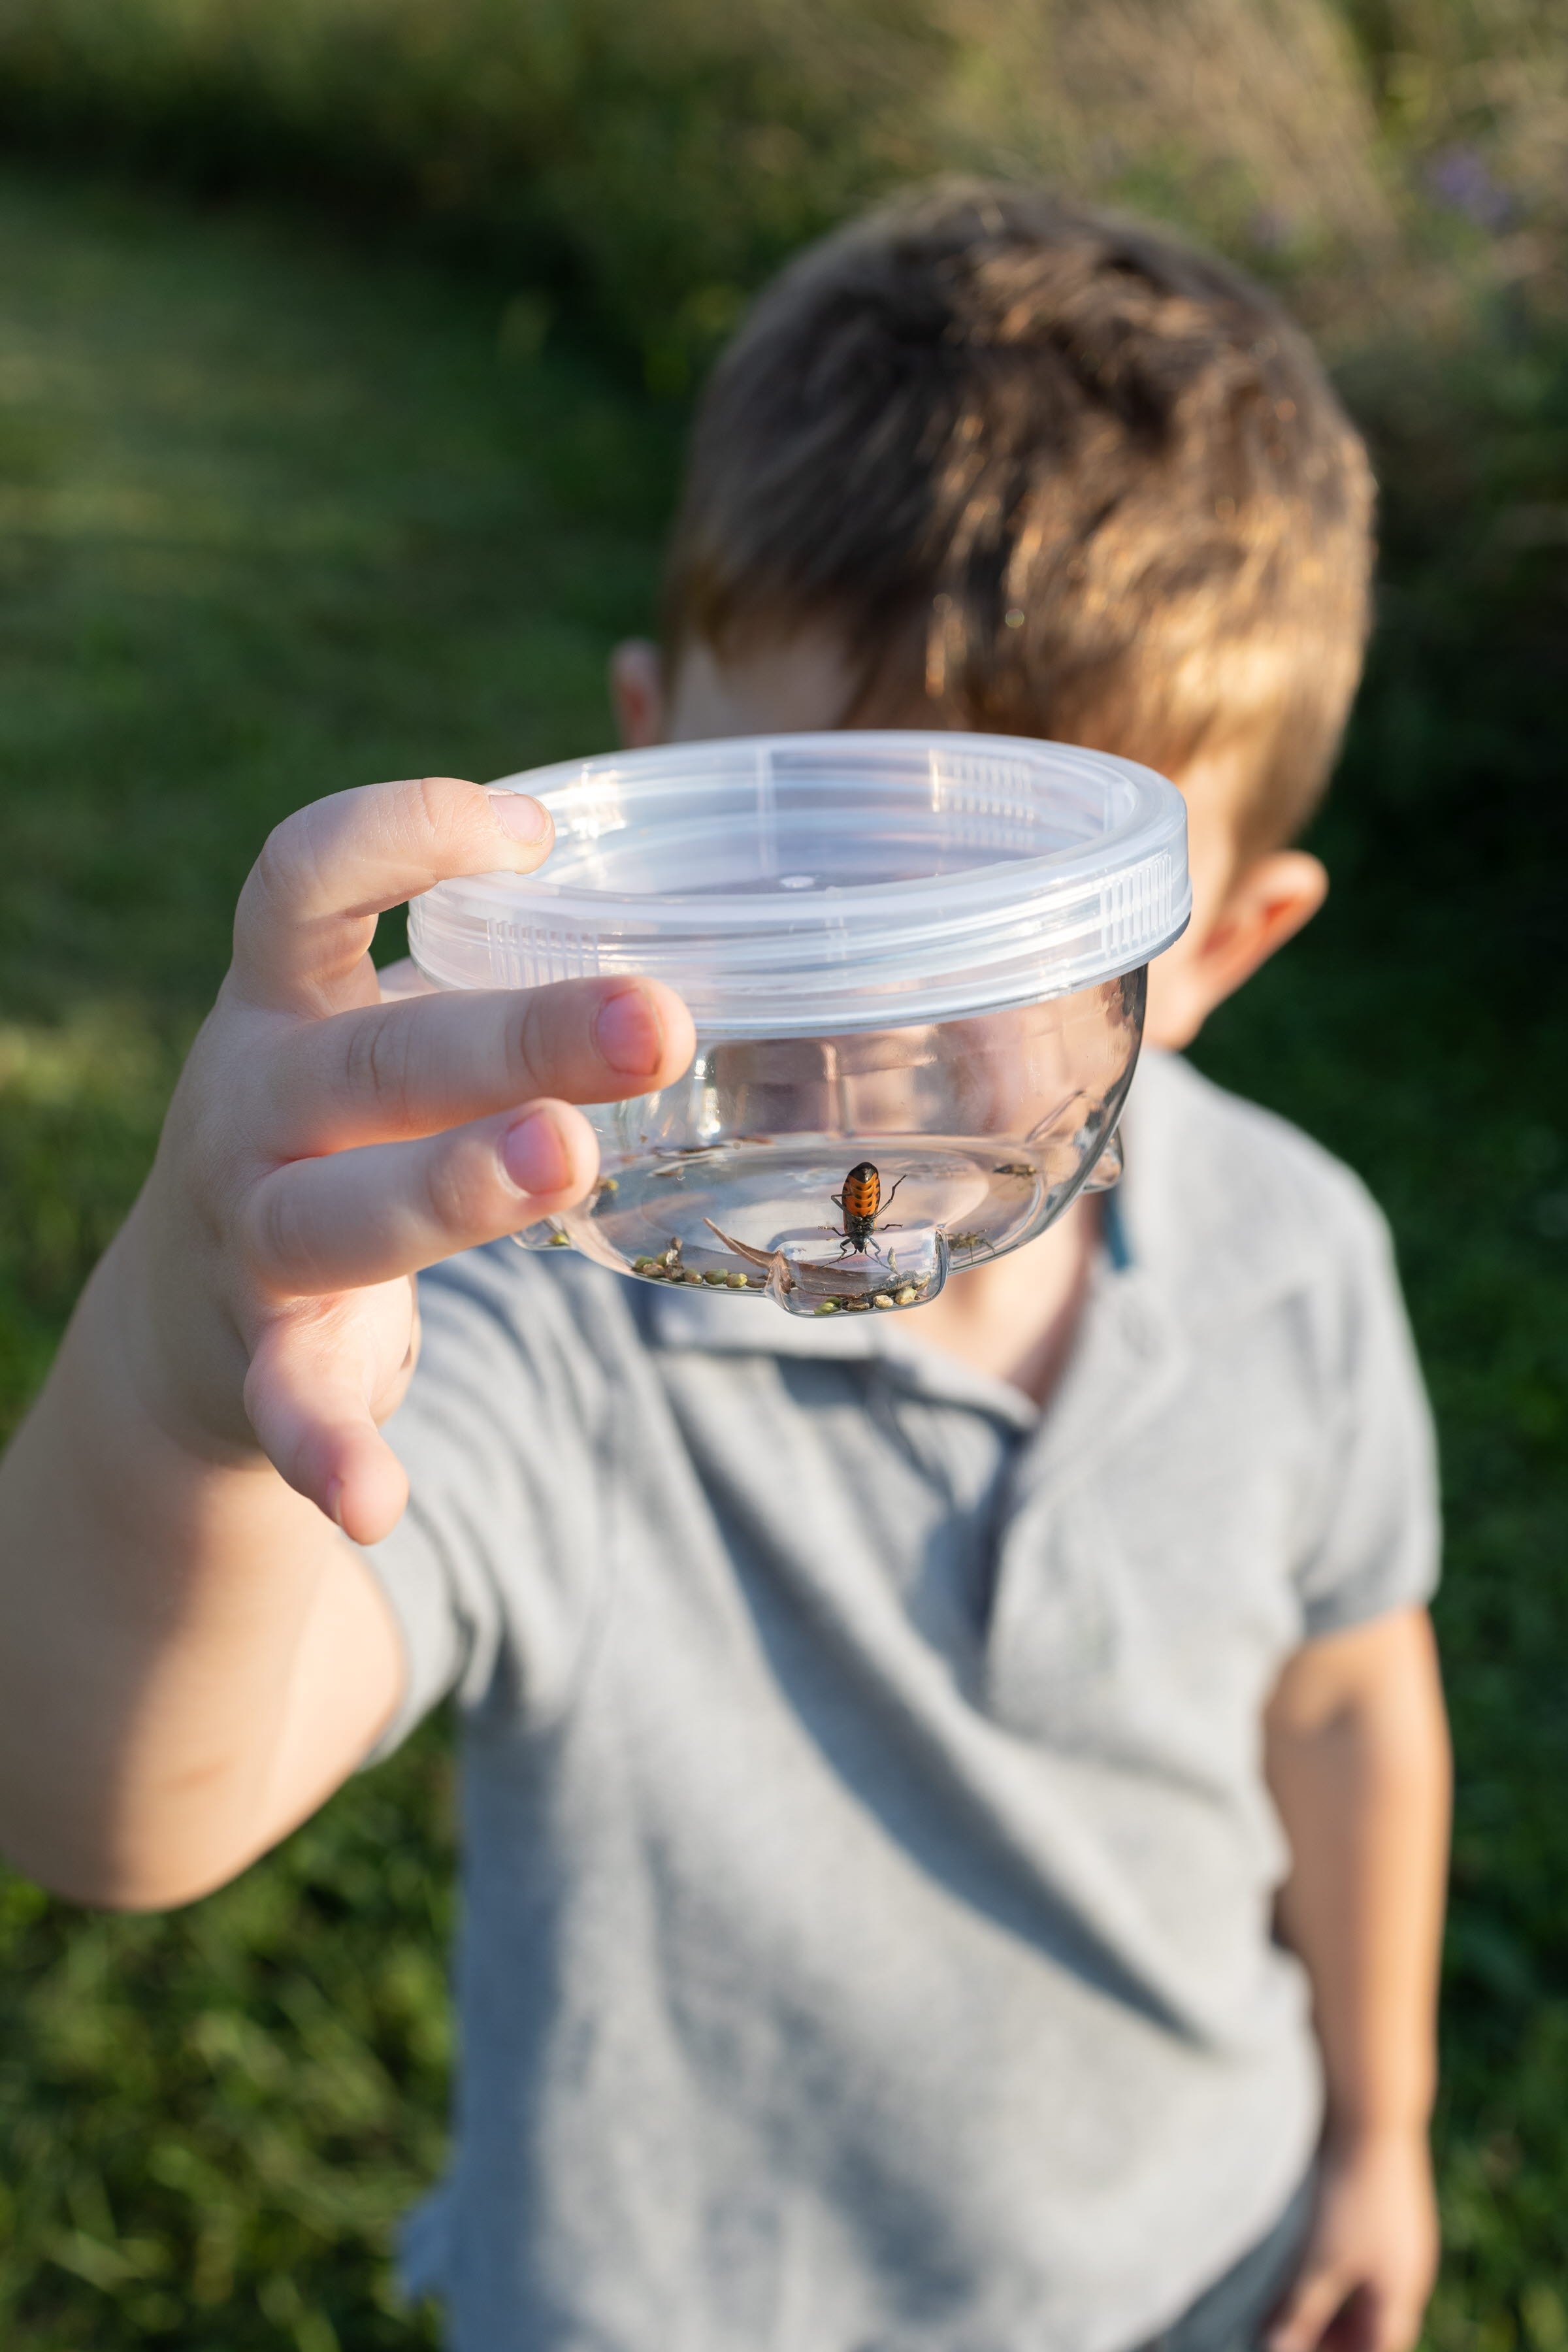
(736, 1281)
(560, 1241)
(718, 1281)
(908, 1296)
(829, 1306)
(883, 1298)
(857, 1305)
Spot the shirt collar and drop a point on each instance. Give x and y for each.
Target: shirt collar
(693, 1318)
(1183, 1225)
(1186, 1250)
(690, 1319)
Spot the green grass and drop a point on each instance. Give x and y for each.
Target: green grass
(280, 516)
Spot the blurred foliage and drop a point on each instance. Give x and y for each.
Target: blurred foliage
(651, 164)
(282, 514)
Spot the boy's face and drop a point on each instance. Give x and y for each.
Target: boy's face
(1243, 908)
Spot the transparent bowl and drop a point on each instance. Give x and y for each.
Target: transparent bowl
(917, 968)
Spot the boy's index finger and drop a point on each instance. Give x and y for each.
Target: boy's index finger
(438, 1060)
(307, 913)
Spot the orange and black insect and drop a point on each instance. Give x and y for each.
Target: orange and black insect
(862, 1203)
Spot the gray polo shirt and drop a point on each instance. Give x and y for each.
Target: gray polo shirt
(868, 1868)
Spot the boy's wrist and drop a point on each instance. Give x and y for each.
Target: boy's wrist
(1358, 2133)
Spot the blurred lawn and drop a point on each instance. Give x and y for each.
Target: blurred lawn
(280, 518)
(648, 167)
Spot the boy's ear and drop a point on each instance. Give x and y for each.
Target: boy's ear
(637, 690)
(1267, 904)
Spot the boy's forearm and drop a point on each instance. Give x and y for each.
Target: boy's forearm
(155, 1607)
(1359, 1766)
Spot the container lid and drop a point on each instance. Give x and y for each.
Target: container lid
(799, 884)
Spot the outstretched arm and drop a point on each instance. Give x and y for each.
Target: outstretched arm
(1358, 1762)
(191, 1657)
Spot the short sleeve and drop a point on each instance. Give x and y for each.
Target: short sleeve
(1374, 1542)
(491, 1575)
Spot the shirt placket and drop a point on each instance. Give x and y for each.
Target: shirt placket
(1131, 1361)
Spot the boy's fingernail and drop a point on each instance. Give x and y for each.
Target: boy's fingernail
(524, 818)
(629, 1033)
(535, 1156)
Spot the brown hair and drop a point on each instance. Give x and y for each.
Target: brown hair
(1053, 470)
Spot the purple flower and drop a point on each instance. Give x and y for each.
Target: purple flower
(1458, 176)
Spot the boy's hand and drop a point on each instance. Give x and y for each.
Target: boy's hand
(1372, 2254)
(323, 1143)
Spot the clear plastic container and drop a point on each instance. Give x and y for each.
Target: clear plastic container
(916, 964)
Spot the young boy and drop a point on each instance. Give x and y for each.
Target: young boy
(954, 1812)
